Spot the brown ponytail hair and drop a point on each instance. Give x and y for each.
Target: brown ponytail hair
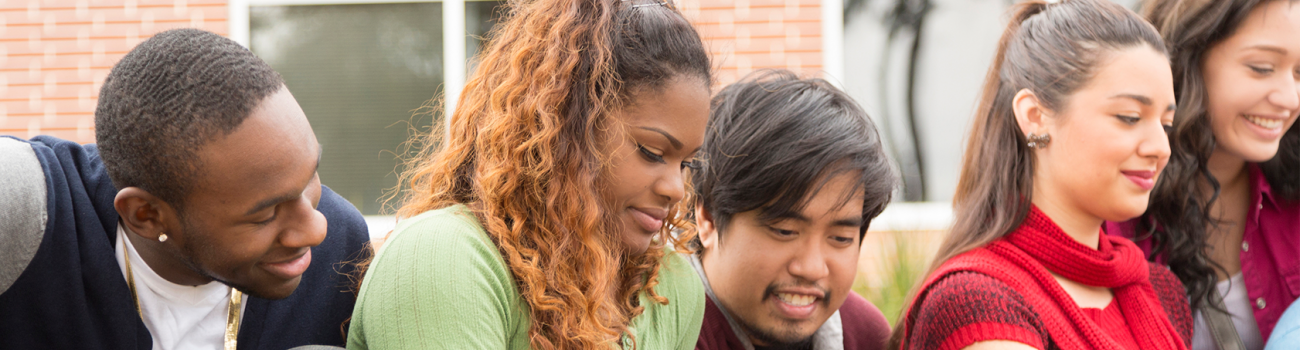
(1051, 49)
(524, 153)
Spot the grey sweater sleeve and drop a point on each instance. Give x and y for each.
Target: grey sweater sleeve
(22, 208)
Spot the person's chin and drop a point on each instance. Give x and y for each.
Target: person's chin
(1132, 206)
(781, 333)
(274, 289)
(1262, 152)
(265, 285)
(636, 242)
(635, 239)
(1250, 145)
(789, 324)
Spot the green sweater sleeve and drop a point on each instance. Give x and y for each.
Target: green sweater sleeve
(438, 283)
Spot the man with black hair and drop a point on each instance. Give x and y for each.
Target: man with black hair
(794, 172)
(197, 222)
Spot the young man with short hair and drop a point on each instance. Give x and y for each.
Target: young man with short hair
(794, 172)
(197, 222)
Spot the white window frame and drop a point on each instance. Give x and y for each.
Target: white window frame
(833, 41)
(453, 35)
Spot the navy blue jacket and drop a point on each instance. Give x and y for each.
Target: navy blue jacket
(72, 295)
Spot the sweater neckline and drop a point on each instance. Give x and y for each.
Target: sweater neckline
(1105, 266)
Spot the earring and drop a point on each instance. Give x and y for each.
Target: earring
(1038, 141)
(162, 237)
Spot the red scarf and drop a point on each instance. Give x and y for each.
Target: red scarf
(1023, 259)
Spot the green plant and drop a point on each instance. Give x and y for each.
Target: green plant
(902, 264)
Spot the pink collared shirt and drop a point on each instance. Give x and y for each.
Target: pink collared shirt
(1270, 251)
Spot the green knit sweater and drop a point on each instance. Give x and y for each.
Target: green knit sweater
(440, 283)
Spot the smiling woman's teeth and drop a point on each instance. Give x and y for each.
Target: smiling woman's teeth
(796, 299)
(1266, 123)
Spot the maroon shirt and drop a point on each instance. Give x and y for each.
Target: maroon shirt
(865, 326)
(1270, 251)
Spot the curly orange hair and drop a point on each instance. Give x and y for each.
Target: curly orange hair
(524, 151)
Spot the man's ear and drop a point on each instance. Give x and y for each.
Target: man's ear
(1029, 112)
(143, 213)
(708, 233)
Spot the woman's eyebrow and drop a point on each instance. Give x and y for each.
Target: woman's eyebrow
(1269, 48)
(676, 143)
(1146, 101)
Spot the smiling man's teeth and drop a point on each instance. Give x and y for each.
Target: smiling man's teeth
(796, 299)
(1266, 123)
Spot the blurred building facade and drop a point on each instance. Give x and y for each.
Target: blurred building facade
(917, 67)
(368, 73)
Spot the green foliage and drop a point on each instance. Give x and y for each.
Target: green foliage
(899, 275)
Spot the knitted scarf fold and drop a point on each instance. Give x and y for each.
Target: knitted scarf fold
(1025, 260)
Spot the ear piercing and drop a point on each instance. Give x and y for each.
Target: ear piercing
(1039, 141)
(162, 237)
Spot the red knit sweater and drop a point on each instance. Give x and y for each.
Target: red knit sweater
(972, 298)
(969, 307)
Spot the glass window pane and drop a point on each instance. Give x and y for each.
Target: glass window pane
(480, 16)
(360, 72)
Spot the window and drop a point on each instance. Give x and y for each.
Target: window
(361, 73)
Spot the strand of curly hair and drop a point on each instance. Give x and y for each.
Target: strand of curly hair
(523, 151)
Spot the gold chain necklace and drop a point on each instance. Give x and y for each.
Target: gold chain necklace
(232, 317)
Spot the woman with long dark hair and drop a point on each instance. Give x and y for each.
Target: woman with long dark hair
(1226, 215)
(1070, 133)
(541, 219)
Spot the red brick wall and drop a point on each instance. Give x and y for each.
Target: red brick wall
(54, 54)
(744, 35)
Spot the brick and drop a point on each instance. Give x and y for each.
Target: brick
(54, 55)
(60, 50)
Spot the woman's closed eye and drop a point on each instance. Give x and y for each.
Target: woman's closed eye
(1127, 119)
(693, 164)
(1261, 69)
(650, 155)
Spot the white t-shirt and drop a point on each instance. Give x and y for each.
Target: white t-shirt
(178, 316)
(1243, 317)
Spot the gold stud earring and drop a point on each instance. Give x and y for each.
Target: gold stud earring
(162, 237)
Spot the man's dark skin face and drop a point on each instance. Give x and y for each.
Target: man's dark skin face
(250, 219)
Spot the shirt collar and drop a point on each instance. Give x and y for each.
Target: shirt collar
(155, 285)
(1261, 191)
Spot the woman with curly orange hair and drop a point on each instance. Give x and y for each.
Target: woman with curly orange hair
(543, 218)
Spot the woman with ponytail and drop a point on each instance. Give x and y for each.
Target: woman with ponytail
(542, 217)
(1070, 132)
(1226, 216)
